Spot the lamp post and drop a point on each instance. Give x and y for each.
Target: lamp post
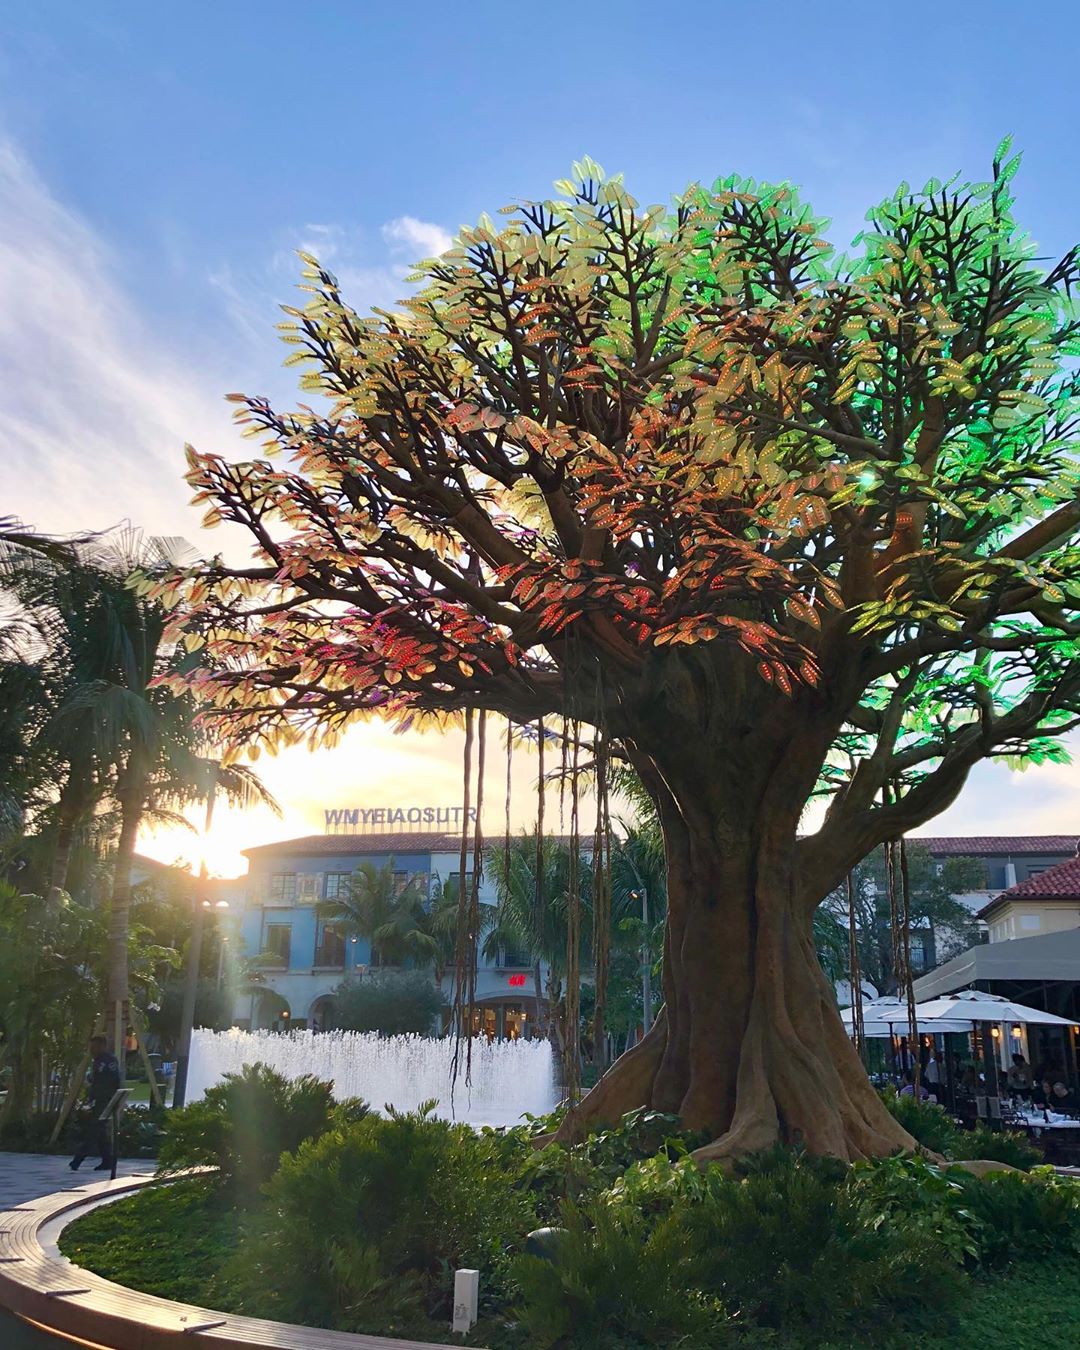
(646, 973)
(191, 986)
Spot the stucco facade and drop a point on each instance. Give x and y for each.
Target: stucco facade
(285, 883)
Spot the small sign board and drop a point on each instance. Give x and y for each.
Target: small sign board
(466, 1296)
(363, 819)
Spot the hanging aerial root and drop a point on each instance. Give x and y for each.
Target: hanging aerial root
(462, 1002)
(572, 1059)
(626, 1086)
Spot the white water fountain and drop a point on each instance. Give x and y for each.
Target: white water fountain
(508, 1078)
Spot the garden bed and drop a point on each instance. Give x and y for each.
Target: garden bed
(329, 1216)
(173, 1242)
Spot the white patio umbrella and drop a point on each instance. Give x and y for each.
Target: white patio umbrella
(969, 1005)
(886, 1017)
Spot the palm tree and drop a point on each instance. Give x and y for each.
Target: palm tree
(395, 922)
(46, 773)
(534, 918)
(118, 732)
(48, 997)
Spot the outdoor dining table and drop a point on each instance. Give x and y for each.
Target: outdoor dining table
(1036, 1121)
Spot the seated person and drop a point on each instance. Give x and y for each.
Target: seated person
(1043, 1091)
(1062, 1098)
(1019, 1076)
(969, 1079)
(908, 1087)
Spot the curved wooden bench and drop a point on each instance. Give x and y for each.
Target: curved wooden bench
(49, 1292)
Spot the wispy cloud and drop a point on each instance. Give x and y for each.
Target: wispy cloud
(94, 411)
(418, 238)
(95, 405)
(371, 269)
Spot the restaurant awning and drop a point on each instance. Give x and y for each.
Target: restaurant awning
(1035, 960)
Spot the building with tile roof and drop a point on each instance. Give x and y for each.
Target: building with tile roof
(301, 959)
(1047, 901)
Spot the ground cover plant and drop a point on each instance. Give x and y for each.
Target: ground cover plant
(172, 1241)
(650, 1246)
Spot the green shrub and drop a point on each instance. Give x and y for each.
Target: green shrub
(991, 1221)
(1022, 1215)
(789, 1247)
(638, 1135)
(929, 1125)
(557, 1173)
(551, 1175)
(922, 1202)
(138, 1135)
(393, 1004)
(618, 1282)
(246, 1122)
(656, 1185)
(1007, 1146)
(361, 1229)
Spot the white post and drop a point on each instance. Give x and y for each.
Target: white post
(466, 1292)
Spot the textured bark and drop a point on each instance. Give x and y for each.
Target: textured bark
(750, 1045)
(75, 803)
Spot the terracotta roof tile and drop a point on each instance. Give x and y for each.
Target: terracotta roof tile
(983, 845)
(1061, 882)
(439, 841)
(397, 843)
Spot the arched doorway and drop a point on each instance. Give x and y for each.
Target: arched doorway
(322, 1015)
(270, 1011)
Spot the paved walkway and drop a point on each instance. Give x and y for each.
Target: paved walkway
(26, 1176)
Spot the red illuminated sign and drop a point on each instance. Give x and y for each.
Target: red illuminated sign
(515, 981)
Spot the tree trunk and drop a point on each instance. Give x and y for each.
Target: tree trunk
(750, 1044)
(61, 863)
(132, 797)
(540, 1025)
(74, 803)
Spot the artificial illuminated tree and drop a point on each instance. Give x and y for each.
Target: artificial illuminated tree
(771, 521)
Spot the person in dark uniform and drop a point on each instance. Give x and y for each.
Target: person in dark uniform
(104, 1082)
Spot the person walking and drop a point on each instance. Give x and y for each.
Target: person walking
(104, 1082)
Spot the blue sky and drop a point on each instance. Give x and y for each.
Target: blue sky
(159, 165)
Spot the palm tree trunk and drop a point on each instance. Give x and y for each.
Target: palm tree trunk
(132, 796)
(538, 997)
(75, 799)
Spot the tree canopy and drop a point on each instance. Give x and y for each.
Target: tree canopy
(774, 519)
(677, 435)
